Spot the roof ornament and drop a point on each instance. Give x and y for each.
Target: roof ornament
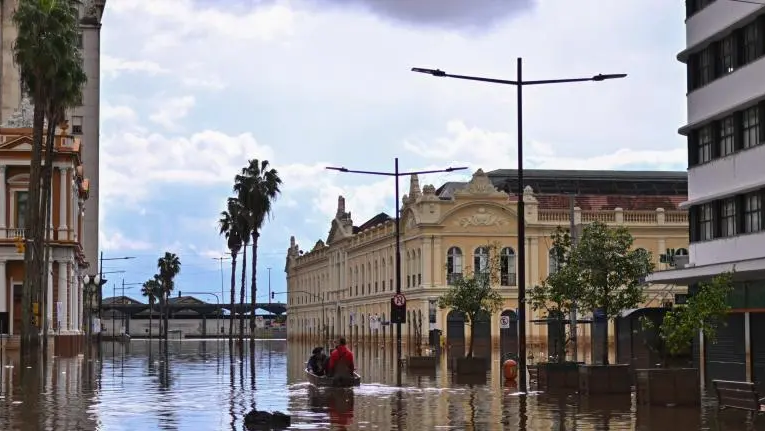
(23, 116)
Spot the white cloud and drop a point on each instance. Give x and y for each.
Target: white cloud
(113, 66)
(122, 114)
(135, 164)
(172, 110)
(117, 241)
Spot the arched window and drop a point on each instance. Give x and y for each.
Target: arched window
(481, 261)
(419, 266)
(507, 267)
(356, 280)
(369, 277)
(453, 264)
(681, 252)
(384, 273)
(408, 269)
(377, 275)
(363, 278)
(554, 257)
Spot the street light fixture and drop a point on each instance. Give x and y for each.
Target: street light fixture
(101, 276)
(519, 83)
(91, 286)
(396, 175)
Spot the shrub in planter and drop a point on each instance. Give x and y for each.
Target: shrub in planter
(674, 382)
(474, 296)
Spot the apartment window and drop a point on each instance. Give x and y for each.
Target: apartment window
(727, 58)
(751, 127)
(22, 201)
(704, 145)
(507, 267)
(728, 217)
(453, 264)
(752, 43)
(77, 125)
(390, 284)
(481, 261)
(704, 67)
(555, 257)
(753, 212)
(706, 222)
(727, 136)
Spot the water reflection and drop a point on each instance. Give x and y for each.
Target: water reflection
(209, 385)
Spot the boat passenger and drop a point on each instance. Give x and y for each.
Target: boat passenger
(316, 364)
(341, 361)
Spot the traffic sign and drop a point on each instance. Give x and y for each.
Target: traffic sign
(399, 300)
(504, 322)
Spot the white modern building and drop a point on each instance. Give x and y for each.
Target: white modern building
(725, 55)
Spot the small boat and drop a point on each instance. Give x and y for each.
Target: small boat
(324, 381)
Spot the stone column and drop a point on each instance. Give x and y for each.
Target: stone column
(50, 213)
(63, 193)
(63, 294)
(49, 302)
(5, 287)
(3, 200)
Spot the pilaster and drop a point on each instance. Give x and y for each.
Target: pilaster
(4, 289)
(3, 200)
(63, 296)
(63, 193)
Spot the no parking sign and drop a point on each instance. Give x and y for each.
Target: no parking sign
(504, 322)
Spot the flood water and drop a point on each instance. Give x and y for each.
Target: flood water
(201, 385)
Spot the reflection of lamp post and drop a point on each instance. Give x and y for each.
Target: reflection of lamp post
(519, 83)
(396, 174)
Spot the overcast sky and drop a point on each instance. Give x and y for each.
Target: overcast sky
(193, 89)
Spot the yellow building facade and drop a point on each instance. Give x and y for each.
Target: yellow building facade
(345, 283)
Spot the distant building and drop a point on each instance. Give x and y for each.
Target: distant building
(726, 179)
(347, 280)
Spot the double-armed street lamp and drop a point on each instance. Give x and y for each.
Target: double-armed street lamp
(519, 83)
(396, 174)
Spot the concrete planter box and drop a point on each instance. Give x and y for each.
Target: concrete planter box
(604, 379)
(471, 366)
(558, 376)
(668, 387)
(422, 362)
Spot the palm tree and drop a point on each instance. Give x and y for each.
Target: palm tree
(45, 45)
(230, 227)
(152, 290)
(169, 267)
(257, 186)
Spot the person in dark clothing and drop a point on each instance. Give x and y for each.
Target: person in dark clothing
(317, 362)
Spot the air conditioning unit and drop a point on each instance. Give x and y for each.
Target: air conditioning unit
(681, 261)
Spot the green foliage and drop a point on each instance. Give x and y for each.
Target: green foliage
(474, 295)
(610, 269)
(705, 311)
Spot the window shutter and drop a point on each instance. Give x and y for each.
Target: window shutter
(738, 130)
(693, 153)
(693, 223)
(717, 219)
(739, 211)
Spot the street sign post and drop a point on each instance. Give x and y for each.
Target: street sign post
(398, 308)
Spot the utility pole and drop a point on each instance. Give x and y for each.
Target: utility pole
(222, 285)
(269, 284)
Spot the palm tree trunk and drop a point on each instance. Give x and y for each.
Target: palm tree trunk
(166, 294)
(233, 298)
(151, 311)
(254, 283)
(32, 255)
(241, 294)
(47, 176)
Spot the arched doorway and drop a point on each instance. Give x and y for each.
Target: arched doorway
(455, 334)
(508, 337)
(482, 332)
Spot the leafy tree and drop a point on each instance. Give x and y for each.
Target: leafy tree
(474, 295)
(232, 226)
(169, 266)
(610, 271)
(559, 291)
(45, 51)
(705, 311)
(257, 187)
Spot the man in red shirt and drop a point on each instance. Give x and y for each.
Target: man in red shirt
(341, 361)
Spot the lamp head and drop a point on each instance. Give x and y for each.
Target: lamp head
(97, 280)
(86, 279)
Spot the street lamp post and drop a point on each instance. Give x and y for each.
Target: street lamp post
(519, 84)
(396, 175)
(101, 276)
(91, 285)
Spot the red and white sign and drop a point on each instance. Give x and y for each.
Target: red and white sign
(399, 299)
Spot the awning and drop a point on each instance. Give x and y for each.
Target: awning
(750, 269)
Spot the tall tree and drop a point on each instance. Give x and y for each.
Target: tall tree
(231, 228)
(151, 289)
(611, 271)
(169, 266)
(45, 46)
(257, 187)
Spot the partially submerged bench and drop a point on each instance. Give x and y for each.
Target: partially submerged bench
(738, 395)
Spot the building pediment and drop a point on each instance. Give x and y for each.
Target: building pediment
(16, 143)
(480, 216)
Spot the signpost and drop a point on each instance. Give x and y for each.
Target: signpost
(504, 322)
(398, 308)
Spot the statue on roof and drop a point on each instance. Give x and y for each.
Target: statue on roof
(23, 116)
